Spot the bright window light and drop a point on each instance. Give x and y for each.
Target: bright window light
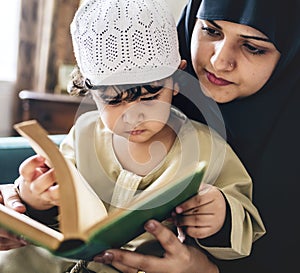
(9, 29)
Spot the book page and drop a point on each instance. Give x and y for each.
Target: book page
(32, 230)
(79, 205)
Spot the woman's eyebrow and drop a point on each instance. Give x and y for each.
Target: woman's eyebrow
(243, 36)
(256, 38)
(215, 24)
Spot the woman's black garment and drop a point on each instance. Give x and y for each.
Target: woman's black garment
(264, 128)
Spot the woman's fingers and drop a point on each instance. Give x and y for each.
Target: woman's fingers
(9, 241)
(11, 199)
(128, 261)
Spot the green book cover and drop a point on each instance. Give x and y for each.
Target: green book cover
(128, 224)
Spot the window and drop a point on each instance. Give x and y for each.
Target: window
(9, 28)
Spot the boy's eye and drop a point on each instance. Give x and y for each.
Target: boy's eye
(118, 102)
(254, 50)
(153, 88)
(113, 103)
(150, 98)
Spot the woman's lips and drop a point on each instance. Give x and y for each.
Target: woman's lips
(215, 80)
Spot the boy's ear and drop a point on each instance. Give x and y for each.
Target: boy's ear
(175, 89)
(182, 65)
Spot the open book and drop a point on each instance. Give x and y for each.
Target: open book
(85, 228)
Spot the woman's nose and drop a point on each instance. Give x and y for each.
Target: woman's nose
(134, 114)
(223, 58)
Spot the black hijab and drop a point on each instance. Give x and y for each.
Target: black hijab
(264, 128)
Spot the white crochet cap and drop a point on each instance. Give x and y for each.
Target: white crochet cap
(125, 41)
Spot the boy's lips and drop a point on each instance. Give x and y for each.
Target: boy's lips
(136, 132)
(215, 80)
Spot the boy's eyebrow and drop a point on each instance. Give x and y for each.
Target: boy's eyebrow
(243, 36)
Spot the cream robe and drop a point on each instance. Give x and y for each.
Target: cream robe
(89, 146)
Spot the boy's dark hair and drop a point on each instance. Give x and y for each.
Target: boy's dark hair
(79, 86)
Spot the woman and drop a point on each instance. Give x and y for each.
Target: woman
(261, 121)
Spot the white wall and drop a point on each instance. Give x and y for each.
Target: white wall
(6, 106)
(176, 7)
(9, 26)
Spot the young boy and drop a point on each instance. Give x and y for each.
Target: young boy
(127, 54)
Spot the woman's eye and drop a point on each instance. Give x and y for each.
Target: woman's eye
(211, 31)
(254, 50)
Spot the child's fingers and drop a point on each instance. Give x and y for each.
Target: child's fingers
(43, 182)
(205, 196)
(29, 166)
(200, 232)
(195, 220)
(186, 206)
(52, 195)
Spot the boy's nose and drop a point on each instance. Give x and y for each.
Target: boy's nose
(133, 115)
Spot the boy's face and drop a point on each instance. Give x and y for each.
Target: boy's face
(140, 119)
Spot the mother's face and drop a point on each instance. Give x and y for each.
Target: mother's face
(231, 60)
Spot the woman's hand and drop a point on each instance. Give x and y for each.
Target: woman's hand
(203, 215)
(10, 198)
(9, 241)
(178, 257)
(37, 185)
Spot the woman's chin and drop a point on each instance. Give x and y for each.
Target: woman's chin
(217, 96)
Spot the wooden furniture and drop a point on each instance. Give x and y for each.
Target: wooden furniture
(44, 45)
(56, 113)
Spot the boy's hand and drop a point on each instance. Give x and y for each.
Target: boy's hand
(203, 215)
(37, 186)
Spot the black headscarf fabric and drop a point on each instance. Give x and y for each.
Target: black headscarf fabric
(264, 128)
